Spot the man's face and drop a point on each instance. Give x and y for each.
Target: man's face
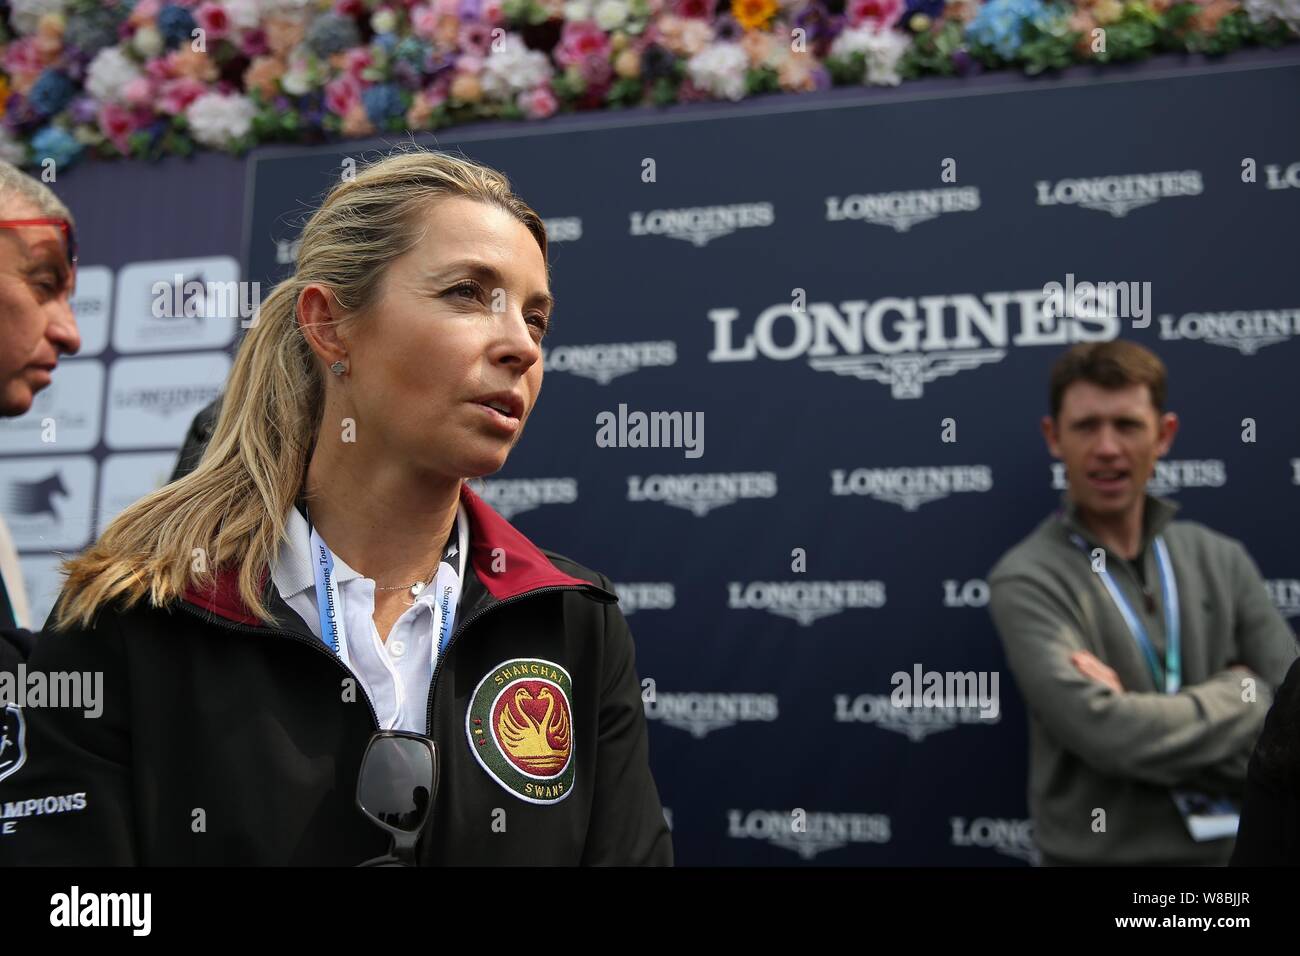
(459, 321)
(1109, 440)
(36, 320)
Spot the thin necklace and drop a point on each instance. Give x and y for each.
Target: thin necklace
(415, 587)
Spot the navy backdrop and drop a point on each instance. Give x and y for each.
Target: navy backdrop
(922, 310)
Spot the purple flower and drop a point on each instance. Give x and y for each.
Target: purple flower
(726, 27)
(83, 109)
(469, 9)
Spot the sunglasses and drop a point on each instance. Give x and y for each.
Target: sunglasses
(69, 234)
(395, 790)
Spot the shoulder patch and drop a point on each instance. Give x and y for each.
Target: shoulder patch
(520, 728)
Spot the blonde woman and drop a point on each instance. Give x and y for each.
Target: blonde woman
(325, 574)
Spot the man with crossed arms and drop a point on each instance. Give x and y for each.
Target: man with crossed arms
(1146, 648)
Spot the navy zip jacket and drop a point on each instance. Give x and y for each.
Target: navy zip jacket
(225, 741)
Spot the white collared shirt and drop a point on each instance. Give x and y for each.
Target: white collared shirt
(395, 674)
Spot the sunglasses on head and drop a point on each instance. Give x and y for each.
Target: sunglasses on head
(69, 234)
(395, 790)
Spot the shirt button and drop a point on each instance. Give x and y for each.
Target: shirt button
(397, 648)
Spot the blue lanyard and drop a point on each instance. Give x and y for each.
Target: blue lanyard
(329, 604)
(1173, 670)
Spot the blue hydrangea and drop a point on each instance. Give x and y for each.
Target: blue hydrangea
(330, 34)
(51, 92)
(999, 24)
(176, 24)
(92, 30)
(382, 102)
(411, 50)
(57, 144)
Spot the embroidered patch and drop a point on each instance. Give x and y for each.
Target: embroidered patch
(520, 727)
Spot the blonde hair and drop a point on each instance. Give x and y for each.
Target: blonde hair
(233, 504)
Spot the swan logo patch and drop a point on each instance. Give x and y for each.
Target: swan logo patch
(520, 728)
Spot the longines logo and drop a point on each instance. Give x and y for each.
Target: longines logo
(604, 363)
(165, 401)
(1170, 477)
(1247, 332)
(916, 722)
(512, 496)
(702, 224)
(808, 833)
(911, 487)
(904, 343)
(1286, 595)
(563, 229)
(804, 601)
(645, 596)
(902, 210)
(1119, 195)
(701, 493)
(1009, 837)
(701, 714)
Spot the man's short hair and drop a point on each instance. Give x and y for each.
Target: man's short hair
(1115, 364)
(16, 185)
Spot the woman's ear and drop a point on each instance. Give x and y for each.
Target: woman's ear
(319, 315)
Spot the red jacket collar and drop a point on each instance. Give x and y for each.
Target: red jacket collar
(523, 567)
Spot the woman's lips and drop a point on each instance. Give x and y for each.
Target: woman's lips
(506, 424)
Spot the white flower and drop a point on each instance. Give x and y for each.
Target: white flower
(148, 42)
(243, 14)
(25, 15)
(1288, 11)
(577, 10)
(108, 74)
(513, 68)
(610, 14)
(720, 69)
(882, 49)
(218, 118)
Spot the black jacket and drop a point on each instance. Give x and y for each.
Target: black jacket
(223, 741)
(1269, 834)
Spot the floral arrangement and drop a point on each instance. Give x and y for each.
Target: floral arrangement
(146, 78)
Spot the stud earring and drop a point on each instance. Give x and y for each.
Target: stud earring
(338, 368)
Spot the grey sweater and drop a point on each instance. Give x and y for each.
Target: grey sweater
(1093, 749)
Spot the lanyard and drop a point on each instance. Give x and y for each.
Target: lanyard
(329, 603)
(1173, 670)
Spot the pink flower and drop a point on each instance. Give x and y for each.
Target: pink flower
(23, 61)
(350, 8)
(177, 94)
(447, 8)
(146, 11)
(492, 11)
(538, 103)
(596, 70)
(357, 60)
(212, 17)
(253, 43)
(475, 37)
(882, 12)
(159, 69)
(581, 39)
(424, 21)
(138, 92)
(469, 63)
(341, 94)
(117, 123)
